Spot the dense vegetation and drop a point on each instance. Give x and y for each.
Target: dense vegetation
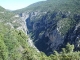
(14, 46)
(14, 43)
(8, 18)
(51, 5)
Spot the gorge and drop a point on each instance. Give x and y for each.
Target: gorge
(52, 29)
(46, 30)
(50, 32)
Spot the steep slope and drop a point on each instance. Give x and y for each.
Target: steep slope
(53, 23)
(49, 29)
(14, 43)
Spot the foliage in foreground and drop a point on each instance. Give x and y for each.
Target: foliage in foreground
(14, 46)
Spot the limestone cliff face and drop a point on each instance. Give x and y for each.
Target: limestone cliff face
(23, 27)
(73, 37)
(52, 30)
(45, 34)
(52, 24)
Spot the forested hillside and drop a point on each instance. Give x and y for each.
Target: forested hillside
(13, 42)
(52, 25)
(51, 5)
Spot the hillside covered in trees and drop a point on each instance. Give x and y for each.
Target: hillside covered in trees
(52, 25)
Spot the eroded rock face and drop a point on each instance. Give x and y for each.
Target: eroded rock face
(48, 34)
(73, 37)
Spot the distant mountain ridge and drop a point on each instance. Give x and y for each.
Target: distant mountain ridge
(51, 5)
(52, 25)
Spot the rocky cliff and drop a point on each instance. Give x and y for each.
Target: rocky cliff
(51, 29)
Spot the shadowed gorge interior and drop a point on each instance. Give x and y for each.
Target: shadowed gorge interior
(46, 30)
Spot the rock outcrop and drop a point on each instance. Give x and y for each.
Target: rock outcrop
(52, 30)
(53, 24)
